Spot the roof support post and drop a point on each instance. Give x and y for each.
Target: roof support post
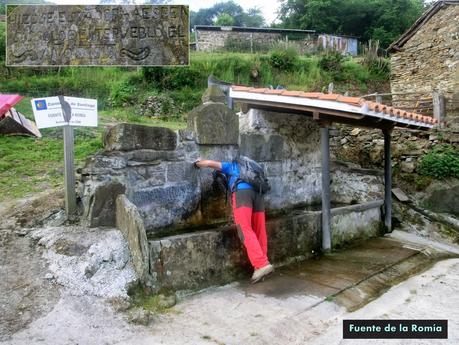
(387, 181)
(326, 204)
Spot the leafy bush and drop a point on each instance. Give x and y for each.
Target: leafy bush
(122, 94)
(284, 59)
(441, 162)
(332, 62)
(373, 60)
(174, 77)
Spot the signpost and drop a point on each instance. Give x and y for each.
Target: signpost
(66, 112)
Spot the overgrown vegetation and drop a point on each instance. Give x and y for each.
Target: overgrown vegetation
(381, 20)
(441, 162)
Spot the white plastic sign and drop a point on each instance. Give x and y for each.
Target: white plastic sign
(50, 111)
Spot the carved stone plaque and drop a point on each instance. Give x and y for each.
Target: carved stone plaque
(95, 35)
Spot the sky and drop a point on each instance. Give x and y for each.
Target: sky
(268, 7)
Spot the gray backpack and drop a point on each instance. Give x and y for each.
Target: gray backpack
(252, 173)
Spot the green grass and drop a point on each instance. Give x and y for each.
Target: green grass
(29, 165)
(129, 115)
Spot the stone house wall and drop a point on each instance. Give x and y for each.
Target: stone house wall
(210, 40)
(429, 61)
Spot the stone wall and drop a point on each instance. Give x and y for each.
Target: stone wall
(144, 181)
(429, 61)
(289, 147)
(366, 147)
(154, 168)
(212, 40)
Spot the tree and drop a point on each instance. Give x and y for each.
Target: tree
(253, 18)
(210, 16)
(384, 20)
(224, 19)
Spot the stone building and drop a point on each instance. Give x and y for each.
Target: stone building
(212, 38)
(425, 59)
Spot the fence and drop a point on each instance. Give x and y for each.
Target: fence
(435, 105)
(253, 40)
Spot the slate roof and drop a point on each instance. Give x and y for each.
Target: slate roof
(420, 22)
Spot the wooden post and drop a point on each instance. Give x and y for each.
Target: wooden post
(387, 181)
(330, 88)
(251, 43)
(438, 101)
(326, 204)
(69, 173)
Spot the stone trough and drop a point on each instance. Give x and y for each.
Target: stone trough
(216, 256)
(178, 223)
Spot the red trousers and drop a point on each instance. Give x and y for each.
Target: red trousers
(249, 216)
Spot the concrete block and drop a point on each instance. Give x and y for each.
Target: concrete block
(168, 207)
(180, 171)
(262, 147)
(102, 203)
(213, 94)
(128, 137)
(214, 124)
(130, 223)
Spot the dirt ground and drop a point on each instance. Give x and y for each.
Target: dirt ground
(60, 280)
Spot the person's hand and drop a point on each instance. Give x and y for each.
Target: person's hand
(195, 163)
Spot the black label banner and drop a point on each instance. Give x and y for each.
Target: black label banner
(402, 329)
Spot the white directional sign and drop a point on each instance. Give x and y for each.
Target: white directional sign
(62, 111)
(66, 112)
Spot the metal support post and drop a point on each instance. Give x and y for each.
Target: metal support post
(69, 178)
(326, 203)
(387, 181)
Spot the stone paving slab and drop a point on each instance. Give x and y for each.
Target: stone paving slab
(350, 277)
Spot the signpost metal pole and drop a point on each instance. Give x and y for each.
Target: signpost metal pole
(69, 172)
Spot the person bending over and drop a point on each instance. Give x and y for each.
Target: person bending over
(249, 216)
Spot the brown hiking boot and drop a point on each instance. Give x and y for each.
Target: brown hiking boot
(262, 272)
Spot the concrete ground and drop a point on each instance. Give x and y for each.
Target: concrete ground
(302, 304)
